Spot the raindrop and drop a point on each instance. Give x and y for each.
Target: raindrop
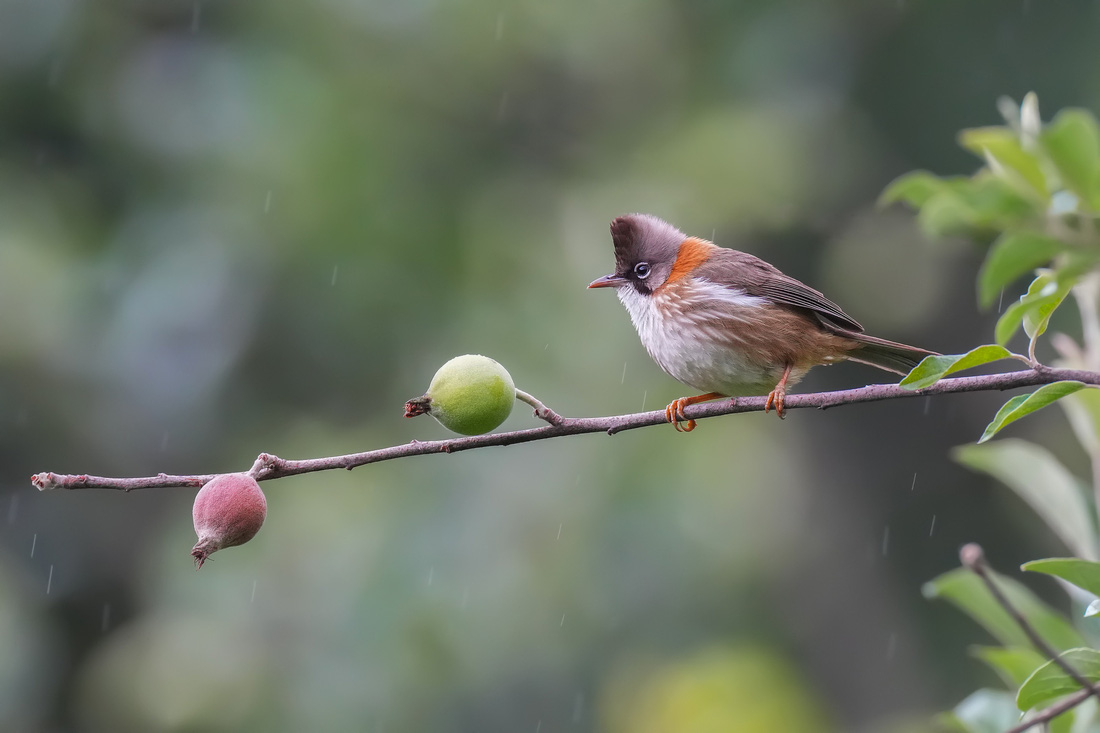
(49, 580)
(34, 542)
(253, 598)
(562, 624)
(927, 405)
(502, 108)
(164, 441)
(914, 486)
(105, 617)
(623, 380)
(892, 645)
(13, 508)
(335, 269)
(267, 202)
(644, 395)
(546, 348)
(559, 527)
(1001, 300)
(539, 726)
(431, 574)
(885, 539)
(933, 527)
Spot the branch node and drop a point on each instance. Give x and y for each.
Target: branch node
(972, 556)
(265, 463)
(542, 412)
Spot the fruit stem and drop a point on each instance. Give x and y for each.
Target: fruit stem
(542, 412)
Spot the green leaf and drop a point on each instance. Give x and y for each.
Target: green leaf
(1050, 682)
(1034, 308)
(1082, 573)
(1012, 255)
(968, 593)
(1022, 405)
(1043, 482)
(912, 188)
(1004, 145)
(946, 213)
(983, 711)
(1072, 143)
(934, 368)
(1013, 664)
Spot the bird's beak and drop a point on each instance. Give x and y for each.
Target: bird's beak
(608, 281)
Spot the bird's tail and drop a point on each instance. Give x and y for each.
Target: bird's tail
(888, 355)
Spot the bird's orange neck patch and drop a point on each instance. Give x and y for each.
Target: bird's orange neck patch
(692, 253)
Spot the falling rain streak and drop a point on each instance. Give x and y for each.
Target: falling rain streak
(933, 527)
(34, 543)
(885, 540)
(49, 580)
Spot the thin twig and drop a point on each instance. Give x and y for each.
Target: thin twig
(1048, 714)
(271, 467)
(542, 412)
(973, 559)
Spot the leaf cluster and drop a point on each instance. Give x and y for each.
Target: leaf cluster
(1035, 203)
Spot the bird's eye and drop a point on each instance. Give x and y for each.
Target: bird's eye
(641, 270)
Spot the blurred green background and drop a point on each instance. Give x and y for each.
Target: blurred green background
(229, 227)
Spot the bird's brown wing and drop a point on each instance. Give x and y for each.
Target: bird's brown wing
(756, 277)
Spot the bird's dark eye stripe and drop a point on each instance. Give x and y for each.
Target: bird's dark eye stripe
(642, 270)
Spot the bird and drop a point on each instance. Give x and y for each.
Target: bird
(728, 323)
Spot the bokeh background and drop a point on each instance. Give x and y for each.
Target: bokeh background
(229, 227)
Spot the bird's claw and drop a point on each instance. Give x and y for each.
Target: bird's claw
(776, 397)
(674, 414)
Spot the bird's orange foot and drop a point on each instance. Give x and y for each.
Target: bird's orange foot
(776, 397)
(674, 414)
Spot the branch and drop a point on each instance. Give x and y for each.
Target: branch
(973, 559)
(1048, 714)
(268, 466)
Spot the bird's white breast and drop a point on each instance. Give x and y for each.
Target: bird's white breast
(691, 332)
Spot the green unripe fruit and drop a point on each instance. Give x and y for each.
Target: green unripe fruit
(470, 394)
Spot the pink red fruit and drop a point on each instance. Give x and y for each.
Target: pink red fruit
(229, 511)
